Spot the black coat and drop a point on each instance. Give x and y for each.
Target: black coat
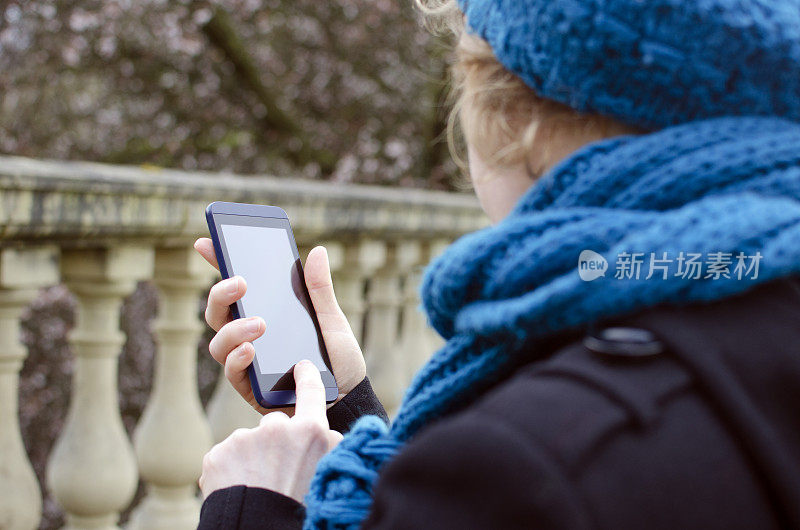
(693, 421)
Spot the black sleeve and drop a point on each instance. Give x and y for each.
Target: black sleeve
(360, 401)
(469, 471)
(473, 471)
(243, 508)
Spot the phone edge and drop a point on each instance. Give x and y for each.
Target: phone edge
(223, 270)
(251, 210)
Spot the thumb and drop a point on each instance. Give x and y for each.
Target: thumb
(320, 288)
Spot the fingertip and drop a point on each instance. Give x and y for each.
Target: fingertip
(324, 253)
(235, 288)
(314, 252)
(305, 369)
(309, 391)
(246, 352)
(205, 247)
(236, 364)
(317, 271)
(202, 243)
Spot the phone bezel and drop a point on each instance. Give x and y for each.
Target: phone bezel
(265, 397)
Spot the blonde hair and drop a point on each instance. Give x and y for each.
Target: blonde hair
(500, 116)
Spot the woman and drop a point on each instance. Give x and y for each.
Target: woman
(656, 139)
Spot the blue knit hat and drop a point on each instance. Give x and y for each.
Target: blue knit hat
(650, 63)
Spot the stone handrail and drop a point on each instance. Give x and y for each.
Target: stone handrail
(100, 229)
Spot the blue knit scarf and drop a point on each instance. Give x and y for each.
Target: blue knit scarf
(726, 185)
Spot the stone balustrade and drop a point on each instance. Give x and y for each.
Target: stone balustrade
(100, 229)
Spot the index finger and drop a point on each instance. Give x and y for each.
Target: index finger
(310, 392)
(205, 247)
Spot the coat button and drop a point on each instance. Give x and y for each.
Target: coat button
(624, 343)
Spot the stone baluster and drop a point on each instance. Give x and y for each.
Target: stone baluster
(228, 411)
(357, 264)
(21, 273)
(92, 470)
(414, 344)
(434, 340)
(385, 361)
(418, 339)
(173, 433)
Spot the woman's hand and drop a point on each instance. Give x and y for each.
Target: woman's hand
(280, 454)
(232, 345)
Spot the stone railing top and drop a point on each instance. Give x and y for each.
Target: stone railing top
(84, 202)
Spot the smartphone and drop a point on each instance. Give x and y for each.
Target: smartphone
(256, 243)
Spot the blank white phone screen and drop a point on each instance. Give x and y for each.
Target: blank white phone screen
(263, 257)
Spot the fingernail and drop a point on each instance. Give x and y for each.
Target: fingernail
(253, 324)
(233, 285)
(304, 362)
(242, 351)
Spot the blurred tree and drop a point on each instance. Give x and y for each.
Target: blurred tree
(350, 90)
